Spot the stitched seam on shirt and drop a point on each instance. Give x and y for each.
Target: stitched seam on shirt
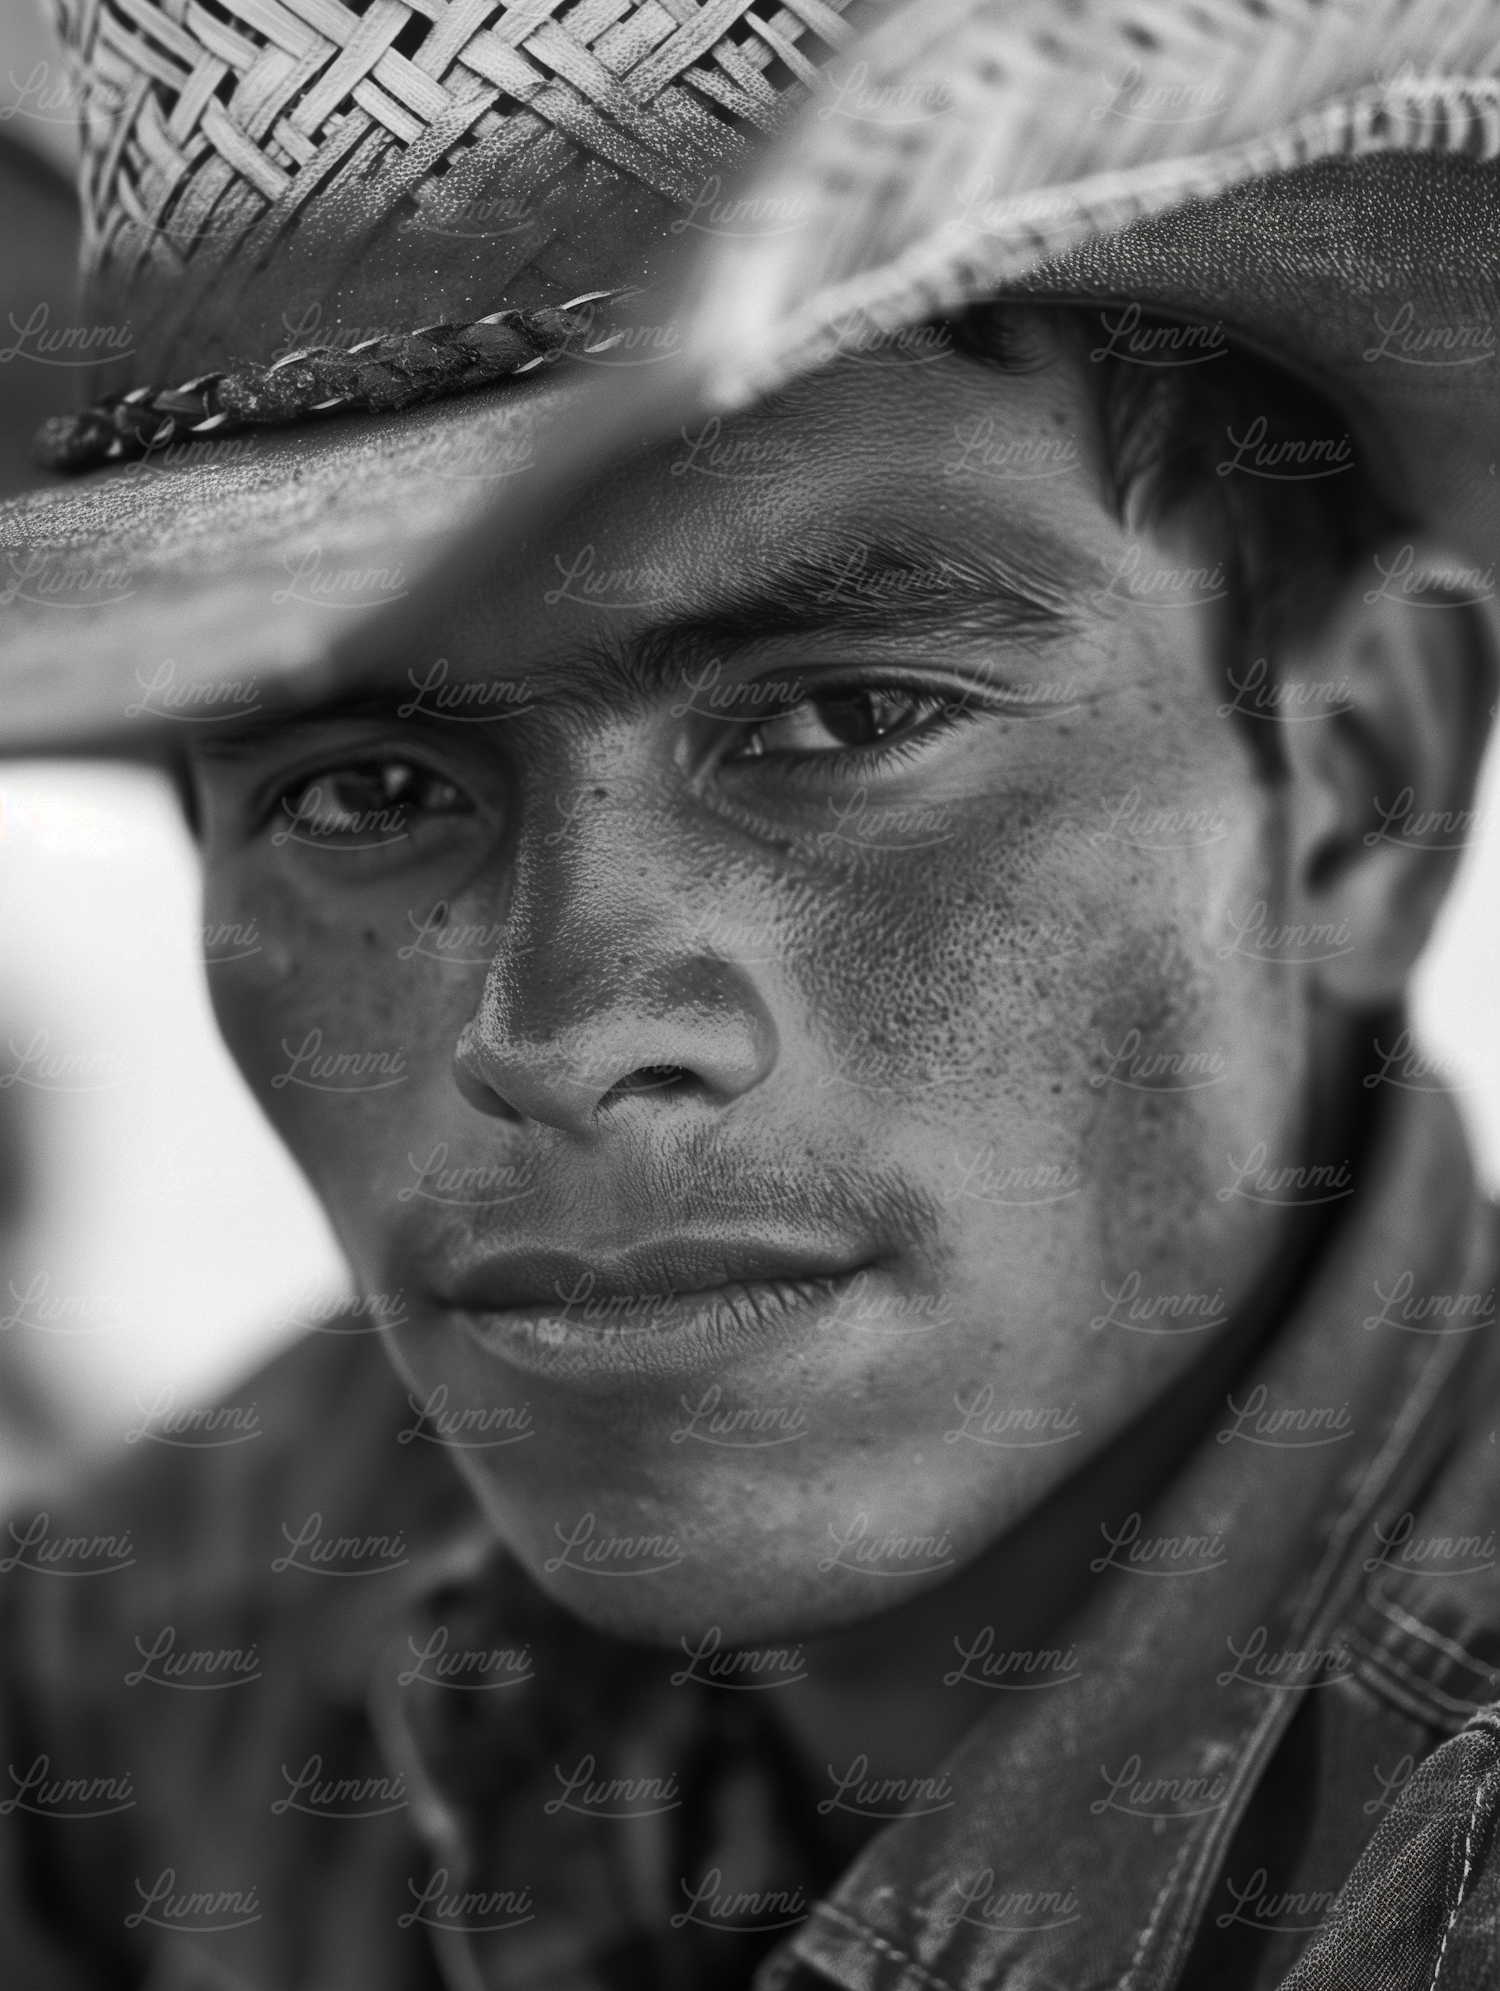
(1404, 1621)
(1463, 1882)
(1433, 1377)
(1409, 1702)
(1418, 1683)
(1167, 1887)
(869, 1937)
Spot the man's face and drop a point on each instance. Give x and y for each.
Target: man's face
(773, 1003)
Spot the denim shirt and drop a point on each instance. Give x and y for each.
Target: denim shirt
(282, 1714)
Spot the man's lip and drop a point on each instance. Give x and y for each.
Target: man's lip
(543, 1276)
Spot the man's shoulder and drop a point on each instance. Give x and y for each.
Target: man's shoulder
(215, 1532)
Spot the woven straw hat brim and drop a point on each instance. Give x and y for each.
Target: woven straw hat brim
(164, 596)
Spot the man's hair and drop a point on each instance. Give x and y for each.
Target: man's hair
(1179, 428)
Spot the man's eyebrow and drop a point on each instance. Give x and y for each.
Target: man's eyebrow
(902, 582)
(897, 585)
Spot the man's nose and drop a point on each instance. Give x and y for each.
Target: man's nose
(573, 1024)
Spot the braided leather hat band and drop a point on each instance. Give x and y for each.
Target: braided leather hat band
(377, 376)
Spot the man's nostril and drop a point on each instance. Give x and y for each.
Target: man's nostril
(648, 1078)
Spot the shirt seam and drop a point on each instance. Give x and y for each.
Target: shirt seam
(1480, 1795)
(1416, 1628)
(1376, 1659)
(871, 1940)
(1388, 1461)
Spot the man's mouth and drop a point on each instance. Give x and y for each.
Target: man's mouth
(665, 1309)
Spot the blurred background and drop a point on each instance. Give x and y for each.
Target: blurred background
(156, 1243)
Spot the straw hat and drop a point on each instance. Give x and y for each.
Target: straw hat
(372, 286)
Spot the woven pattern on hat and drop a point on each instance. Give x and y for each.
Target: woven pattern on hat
(211, 124)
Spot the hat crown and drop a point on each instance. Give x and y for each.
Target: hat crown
(263, 174)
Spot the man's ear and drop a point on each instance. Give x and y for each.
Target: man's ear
(1387, 710)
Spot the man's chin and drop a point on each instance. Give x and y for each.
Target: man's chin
(697, 1589)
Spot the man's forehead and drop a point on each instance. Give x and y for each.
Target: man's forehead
(882, 501)
(861, 512)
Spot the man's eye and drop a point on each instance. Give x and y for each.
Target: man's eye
(365, 804)
(838, 721)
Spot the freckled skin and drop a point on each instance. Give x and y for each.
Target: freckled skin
(891, 1020)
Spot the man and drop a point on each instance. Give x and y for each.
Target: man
(838, 971)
